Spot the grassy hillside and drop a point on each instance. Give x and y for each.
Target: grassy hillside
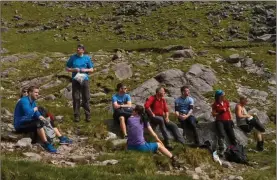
(140, 32)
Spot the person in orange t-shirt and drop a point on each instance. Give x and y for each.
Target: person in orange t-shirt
(223, 119)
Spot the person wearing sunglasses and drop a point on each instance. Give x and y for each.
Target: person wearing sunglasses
(122, 107)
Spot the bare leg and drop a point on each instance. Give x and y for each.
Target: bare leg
(42, 135)
(57, 132)
(164, 151)
(123, 125)
(259, 136)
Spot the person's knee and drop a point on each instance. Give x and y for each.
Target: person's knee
(122, 119)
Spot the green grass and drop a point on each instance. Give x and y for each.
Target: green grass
(99, 36)
(23, 170)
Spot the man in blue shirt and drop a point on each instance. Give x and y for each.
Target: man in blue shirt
(80, 63)
(122, 106)
(28, 119)
(183, 111)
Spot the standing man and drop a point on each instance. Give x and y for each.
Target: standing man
(157, 110)
(183, 111)
(28, 119)
(122, 107)
(80, 63)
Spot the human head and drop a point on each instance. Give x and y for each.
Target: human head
(219, 95)
(24, 92)
(121, 88)
(139, 110)
(243, 100)
(80, 49)
(185, 91)
(160, 92)
(33, 92)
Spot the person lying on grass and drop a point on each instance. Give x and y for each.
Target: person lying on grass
(136, 141)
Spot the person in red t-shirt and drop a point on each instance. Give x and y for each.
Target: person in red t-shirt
(156, 108)
(222, 113)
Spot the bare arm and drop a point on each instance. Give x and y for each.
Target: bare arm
(90, 70)
(153, 134)
(238, 112)
(72, 69)
(129, 104)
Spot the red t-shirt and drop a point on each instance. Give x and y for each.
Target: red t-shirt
(223, 110)
(158, 106)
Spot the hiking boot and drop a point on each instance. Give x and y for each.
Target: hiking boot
(65, 140)
(175, 161)
(49, 147)
(76, 119)
(260, 146)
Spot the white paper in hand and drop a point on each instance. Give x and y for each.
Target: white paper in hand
(80, 77)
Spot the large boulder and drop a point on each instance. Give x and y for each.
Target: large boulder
(123, 71)
(173, 80)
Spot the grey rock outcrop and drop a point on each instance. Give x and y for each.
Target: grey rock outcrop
(199, 78)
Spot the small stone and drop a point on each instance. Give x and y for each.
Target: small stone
(98, 94)
(239, 178)
(231, 177)
(195, 176)
(24, 142)
(271, 52)
(111, 136)
(77, 158)
(198, 170)
(226, 164)
(32, 156)
(59, 118)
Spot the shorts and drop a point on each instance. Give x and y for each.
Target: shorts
(147, 147)
(125, 112)
(254, 123)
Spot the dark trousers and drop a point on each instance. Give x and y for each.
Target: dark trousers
(190, 123)
(226, 126)
(254, 123)
(31, 126)
(159, 120)
(77, 90)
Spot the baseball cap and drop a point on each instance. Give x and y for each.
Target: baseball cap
(219, 92)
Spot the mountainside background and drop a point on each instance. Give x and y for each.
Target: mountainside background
(208, 45)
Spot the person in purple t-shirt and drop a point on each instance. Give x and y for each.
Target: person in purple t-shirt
(136, 140)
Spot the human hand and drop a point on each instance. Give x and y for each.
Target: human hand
(76, 69)
(35, 109)
(83, 70)
(153, 115)
(166, 119)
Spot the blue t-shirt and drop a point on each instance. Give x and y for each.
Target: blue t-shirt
(121, 99)
(182, 105)
(80, 62)
(24, 111)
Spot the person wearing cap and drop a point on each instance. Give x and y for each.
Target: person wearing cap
(247, 122)
(223, 119)
(80, 63)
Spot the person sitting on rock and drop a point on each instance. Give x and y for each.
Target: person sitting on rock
(183, 111)
(246, 122)
(122, 107)
(223, 120)
(23, 92)
(157, 110)
(136, 141)
(46, 114)
(28, 119)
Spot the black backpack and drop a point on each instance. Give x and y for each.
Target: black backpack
(236, 153)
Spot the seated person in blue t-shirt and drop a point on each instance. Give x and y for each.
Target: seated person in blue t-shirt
(183, 110)
(27, 118)
(122, 106)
